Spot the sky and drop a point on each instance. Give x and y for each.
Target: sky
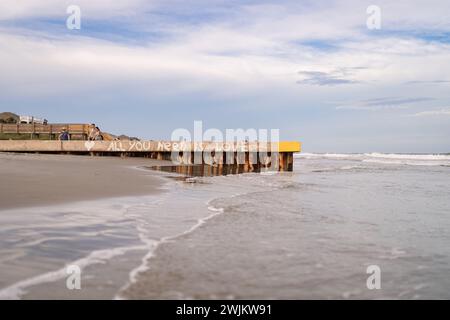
(312, 69)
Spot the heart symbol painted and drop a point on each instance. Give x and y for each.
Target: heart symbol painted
(89, 145)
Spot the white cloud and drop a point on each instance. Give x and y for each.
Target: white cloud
(250, 49)
(13, 9)
(441, 112)
(383, 103)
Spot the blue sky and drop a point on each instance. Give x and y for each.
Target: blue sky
(309, 68)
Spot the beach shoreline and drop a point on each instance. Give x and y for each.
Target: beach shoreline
(35, 180)
(81, 205)
(110, 236)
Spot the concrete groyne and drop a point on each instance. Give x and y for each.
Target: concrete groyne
(275, 155)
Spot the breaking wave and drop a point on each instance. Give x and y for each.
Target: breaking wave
(384, 158)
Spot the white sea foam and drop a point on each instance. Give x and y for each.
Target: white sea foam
(409, 156)
(384, 158)
(249, 183)
(153, 245)
(109, 213)
(349, 156)
(408, 162)
(18, 289)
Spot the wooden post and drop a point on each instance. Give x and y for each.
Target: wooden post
(246, 161)
(286, 161)
(290, 164)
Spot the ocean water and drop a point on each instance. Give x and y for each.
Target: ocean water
(306, 234)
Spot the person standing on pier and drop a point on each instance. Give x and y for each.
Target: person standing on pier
(64, 135)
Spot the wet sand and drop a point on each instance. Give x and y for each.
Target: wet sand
(29, 180)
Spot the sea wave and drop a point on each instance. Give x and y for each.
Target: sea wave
(383, 158)
(344, 156)
(432, 157)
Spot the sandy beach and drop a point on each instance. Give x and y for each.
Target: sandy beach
(64, 208)
(30, 180)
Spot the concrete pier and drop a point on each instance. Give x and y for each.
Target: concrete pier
(275, 156)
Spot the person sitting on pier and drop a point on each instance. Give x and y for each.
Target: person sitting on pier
(92, 130)
(64, 135)
(97, 134)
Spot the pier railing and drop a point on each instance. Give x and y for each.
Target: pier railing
(52, 130)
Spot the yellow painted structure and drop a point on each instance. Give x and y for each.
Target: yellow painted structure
(289, 146)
